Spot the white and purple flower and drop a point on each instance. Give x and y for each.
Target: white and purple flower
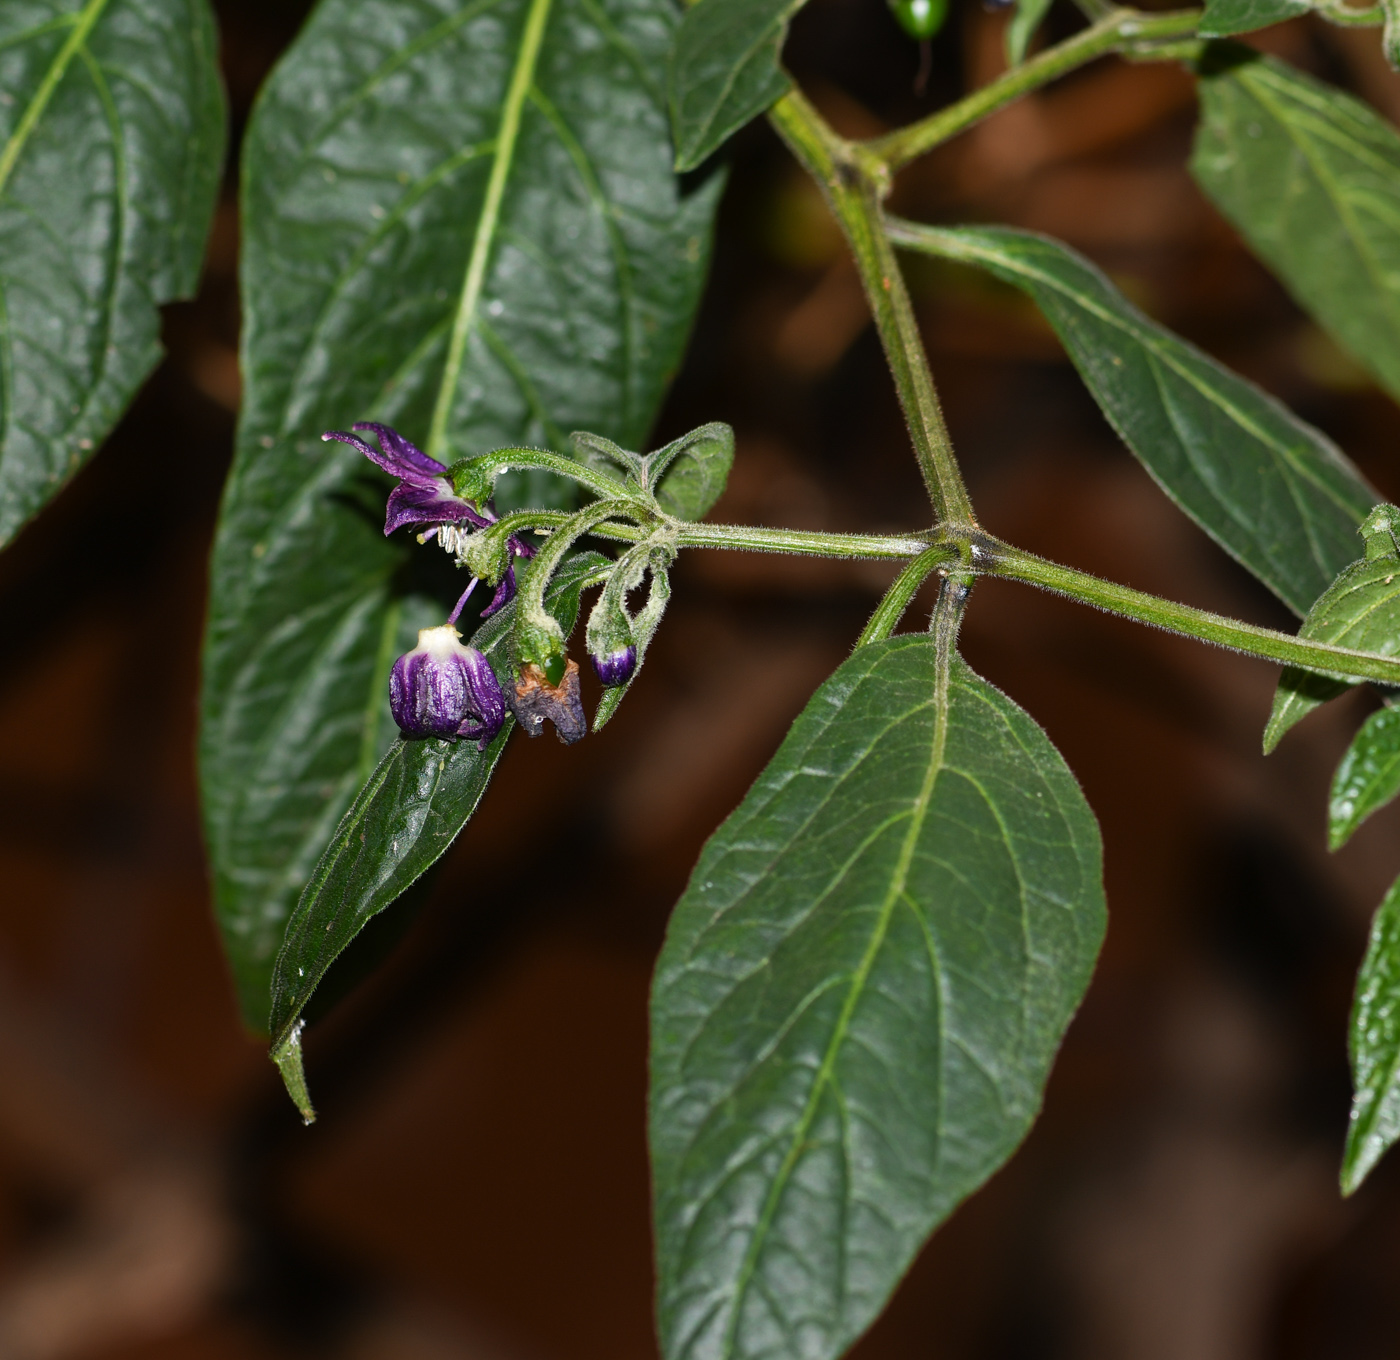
(424, 496)
(443, 689)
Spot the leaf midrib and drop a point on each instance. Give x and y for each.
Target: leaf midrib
(894, 893)
(58, 67)
(522, 78)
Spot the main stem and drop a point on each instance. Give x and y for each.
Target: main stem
(854, 182)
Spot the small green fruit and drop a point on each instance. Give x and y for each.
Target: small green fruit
(555, 667)
(920, 19)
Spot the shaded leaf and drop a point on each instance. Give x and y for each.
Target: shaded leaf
(1222, 18)
(1275, 493)
(858, 1001)
(402, 821)
(1311, 177)
(1368, 777)
(1375, 1048)
(1360, 609)
(725, 71)
(111, 145)
(460, 219)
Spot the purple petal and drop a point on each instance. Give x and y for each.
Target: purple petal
(519, 547)
(427, 695)
(616, 668)
(404, 458)
(427, 503)
(485, 702)
(505, 593)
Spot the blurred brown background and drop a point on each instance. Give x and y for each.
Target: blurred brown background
(477, 1185)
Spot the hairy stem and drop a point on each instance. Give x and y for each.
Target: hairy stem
(992, 558)
(854, 182)
(1120, 29)
(898, 597)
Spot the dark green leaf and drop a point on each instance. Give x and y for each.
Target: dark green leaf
(1275, 493)
(696, 469)
(858, 1002)
(1368, 777)
(1222, 18)
(725, 71)
(1375, 1048)
(459, 219)
(111, 144)
(1021, 29)
(1360, 610)
(1311, 177)
(402, 821)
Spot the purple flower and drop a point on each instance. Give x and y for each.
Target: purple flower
(443, 689)
(425, 496)
(617, 667)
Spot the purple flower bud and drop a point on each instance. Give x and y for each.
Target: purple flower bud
(616, 668)
(443, 689)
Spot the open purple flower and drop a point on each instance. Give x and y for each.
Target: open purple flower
(443, 689)
(424, 496)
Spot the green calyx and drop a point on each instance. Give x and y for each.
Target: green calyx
(920, 19)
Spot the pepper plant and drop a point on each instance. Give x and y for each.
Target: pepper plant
(475, 233)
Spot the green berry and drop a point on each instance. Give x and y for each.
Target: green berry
(555, 667)
(920, 19)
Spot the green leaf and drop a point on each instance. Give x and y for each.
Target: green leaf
(1024, 22)
(460, 219)
(111, 144)
(1311, 177)
(858, 1002)
(1222, 18)
(1275, 493)
(725, 71)
(402, 821)
(1360, 610)
(1375, 1048)
(694, 470)
(1368, 777)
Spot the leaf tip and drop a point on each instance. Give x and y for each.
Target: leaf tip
(287, 1056)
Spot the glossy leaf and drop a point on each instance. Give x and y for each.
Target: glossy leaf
(1375, 1048)
(1028, 17)
(694, 471)
(1311, 177)
(402, 821)
(1360, 609)
(1275, 493)
(459, 219)
(1222, 18)
(1368, 777)
(725, 71)
(858, 1002)
(111, 146)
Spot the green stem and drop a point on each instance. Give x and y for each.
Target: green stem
(1121, 28)
(906, 585)
(999, 559)
(855, 182)
(1340, 13)
(740, 537)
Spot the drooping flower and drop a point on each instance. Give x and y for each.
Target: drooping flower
(424, 496)
(616, 667)
(443, 689)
